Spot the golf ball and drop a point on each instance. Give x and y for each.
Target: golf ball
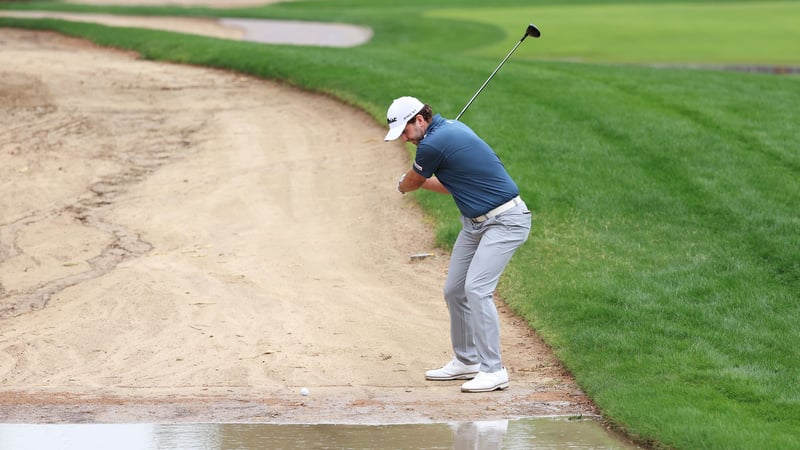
(304, 391)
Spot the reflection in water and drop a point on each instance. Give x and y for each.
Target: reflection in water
(485, 435)
(550, 433)
(69, 437)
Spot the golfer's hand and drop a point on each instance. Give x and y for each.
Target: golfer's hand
(399, 184)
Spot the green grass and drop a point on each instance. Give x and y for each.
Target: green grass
(730, 33)
(664, 263)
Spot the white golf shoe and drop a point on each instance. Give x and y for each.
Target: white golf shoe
(454, 370)
(486, 382)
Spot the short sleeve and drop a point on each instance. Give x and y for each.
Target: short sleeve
(427, 160)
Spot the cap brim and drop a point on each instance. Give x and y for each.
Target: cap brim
(394, 133)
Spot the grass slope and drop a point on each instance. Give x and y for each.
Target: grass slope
(664, 263)
(701, 33)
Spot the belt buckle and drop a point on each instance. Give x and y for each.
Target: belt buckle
(484, 217)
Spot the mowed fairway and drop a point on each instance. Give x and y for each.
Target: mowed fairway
(664, 263)
(700, 33)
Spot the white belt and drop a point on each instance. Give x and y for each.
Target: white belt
(499, 210)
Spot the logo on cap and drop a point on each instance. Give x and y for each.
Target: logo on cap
(408, 116)
(391, 121)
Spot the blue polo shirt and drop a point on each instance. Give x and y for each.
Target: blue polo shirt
(465, 165)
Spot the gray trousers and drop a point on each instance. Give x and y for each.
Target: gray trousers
(480, 254)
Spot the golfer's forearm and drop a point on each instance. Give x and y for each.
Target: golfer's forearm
(433, 184)
(410, 181)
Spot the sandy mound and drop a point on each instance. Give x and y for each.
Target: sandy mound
(178, 243)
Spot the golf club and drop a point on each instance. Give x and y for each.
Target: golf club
(533, 31)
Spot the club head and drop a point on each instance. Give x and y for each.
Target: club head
(532, 31)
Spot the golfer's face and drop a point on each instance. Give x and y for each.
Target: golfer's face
(413, 132)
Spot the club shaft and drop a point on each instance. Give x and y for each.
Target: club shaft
(490, 78)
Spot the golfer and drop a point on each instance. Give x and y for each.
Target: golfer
(452, 159)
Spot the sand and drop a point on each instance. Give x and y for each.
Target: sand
(182, 244)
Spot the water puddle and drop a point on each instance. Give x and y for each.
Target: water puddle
(539, 433)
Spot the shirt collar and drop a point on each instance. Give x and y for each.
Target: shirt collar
(437, 121)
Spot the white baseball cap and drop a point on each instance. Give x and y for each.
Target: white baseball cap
(400, 112)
